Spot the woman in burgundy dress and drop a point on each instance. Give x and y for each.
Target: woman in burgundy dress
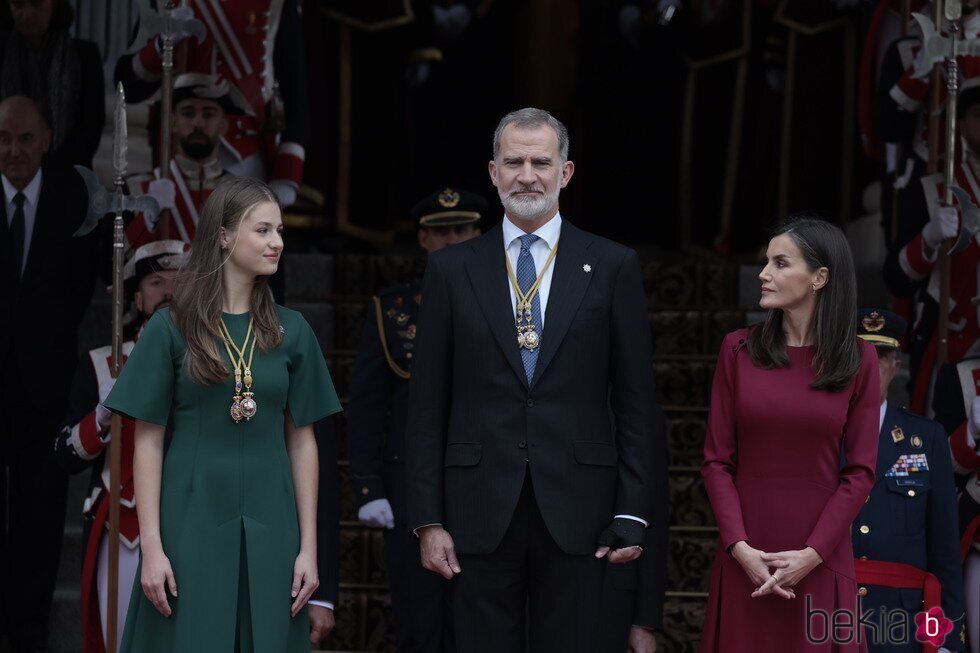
(789, 455)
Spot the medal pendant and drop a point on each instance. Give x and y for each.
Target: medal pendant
(236, 410)
(531, 340)
(520, 337)
(248, 406)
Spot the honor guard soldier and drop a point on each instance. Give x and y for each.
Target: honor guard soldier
(202, 105)
(257, 45)
(376, 425)
(957, 407)
(911, 268)
(84, 440)
(905, 537)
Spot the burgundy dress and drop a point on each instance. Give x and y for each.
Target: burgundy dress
(773, 470)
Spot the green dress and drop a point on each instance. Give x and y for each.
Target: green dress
(228, 519)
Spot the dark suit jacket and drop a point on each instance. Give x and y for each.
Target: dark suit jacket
(633, 594)
(40, 313)
(475, 423)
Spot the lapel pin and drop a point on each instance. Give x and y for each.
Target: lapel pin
(916, 442)
(587, 267)
(897, 435)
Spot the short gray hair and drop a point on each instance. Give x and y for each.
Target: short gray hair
(528, 118)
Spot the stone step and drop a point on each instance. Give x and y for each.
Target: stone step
(364, 622)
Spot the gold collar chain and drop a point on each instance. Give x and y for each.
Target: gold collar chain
(241, 405)
(527, 336)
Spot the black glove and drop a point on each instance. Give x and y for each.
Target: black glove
(623, 533)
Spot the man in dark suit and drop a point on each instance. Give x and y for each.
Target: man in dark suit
(906, 535)
(633, 594)
(47, 281)
(530, 430)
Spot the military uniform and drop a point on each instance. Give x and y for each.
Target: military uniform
(905, 537)
(83, 443)
(376, 423)
(193, 180)
(957, 385)
(258, 46)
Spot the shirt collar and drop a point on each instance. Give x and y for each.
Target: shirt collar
(31, 190)
(881, 413)
(548, 232)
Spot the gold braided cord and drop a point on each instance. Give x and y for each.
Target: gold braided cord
(240, 364)
(524, 299)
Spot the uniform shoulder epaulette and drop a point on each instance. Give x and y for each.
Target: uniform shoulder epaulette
(908, 412)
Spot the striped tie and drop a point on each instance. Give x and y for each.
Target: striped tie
(526, 276)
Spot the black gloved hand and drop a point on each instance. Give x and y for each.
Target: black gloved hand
(623, 533)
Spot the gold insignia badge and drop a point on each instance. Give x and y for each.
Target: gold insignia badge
(873, 322)
(448, 198)
(897, 435)
(401, 319)
(916, 442)
(410, 332)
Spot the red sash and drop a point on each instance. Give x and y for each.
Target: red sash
(901, 576)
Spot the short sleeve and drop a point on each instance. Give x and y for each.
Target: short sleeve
(145, 387)
(311, 394)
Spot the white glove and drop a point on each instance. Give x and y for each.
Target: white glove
(944, 224)
(451, 21)
(285, 191)
(103, 416)
(164, 192)
(973, 430)
(377, 513)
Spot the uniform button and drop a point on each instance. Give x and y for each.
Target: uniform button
(863, 591)
(394, 457)
(408, 355)
(530, 403)
(522, 444)
(365, 491)
(911, 493)
(865, 530)
(864, 557)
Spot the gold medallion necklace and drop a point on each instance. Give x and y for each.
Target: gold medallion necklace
(527, 336)
(241, 405)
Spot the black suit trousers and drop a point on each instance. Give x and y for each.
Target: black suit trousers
(33, 493)
(527, 592)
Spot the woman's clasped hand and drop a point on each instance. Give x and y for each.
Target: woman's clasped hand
(775, 573)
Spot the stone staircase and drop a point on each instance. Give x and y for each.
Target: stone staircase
(691, 306)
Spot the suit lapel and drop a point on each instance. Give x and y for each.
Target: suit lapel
(488, 274)
(569, 282)
(888, 449)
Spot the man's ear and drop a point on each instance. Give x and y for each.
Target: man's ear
(492, 169)
(567, 170)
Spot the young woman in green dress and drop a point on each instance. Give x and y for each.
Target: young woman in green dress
(227, 503)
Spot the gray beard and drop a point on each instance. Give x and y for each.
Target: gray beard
(528, 208)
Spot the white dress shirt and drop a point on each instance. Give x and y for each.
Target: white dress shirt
(881, 414)
(32, 191)
(540, 250)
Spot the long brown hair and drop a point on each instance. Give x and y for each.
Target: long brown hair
(200, 287)
(838, 356)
